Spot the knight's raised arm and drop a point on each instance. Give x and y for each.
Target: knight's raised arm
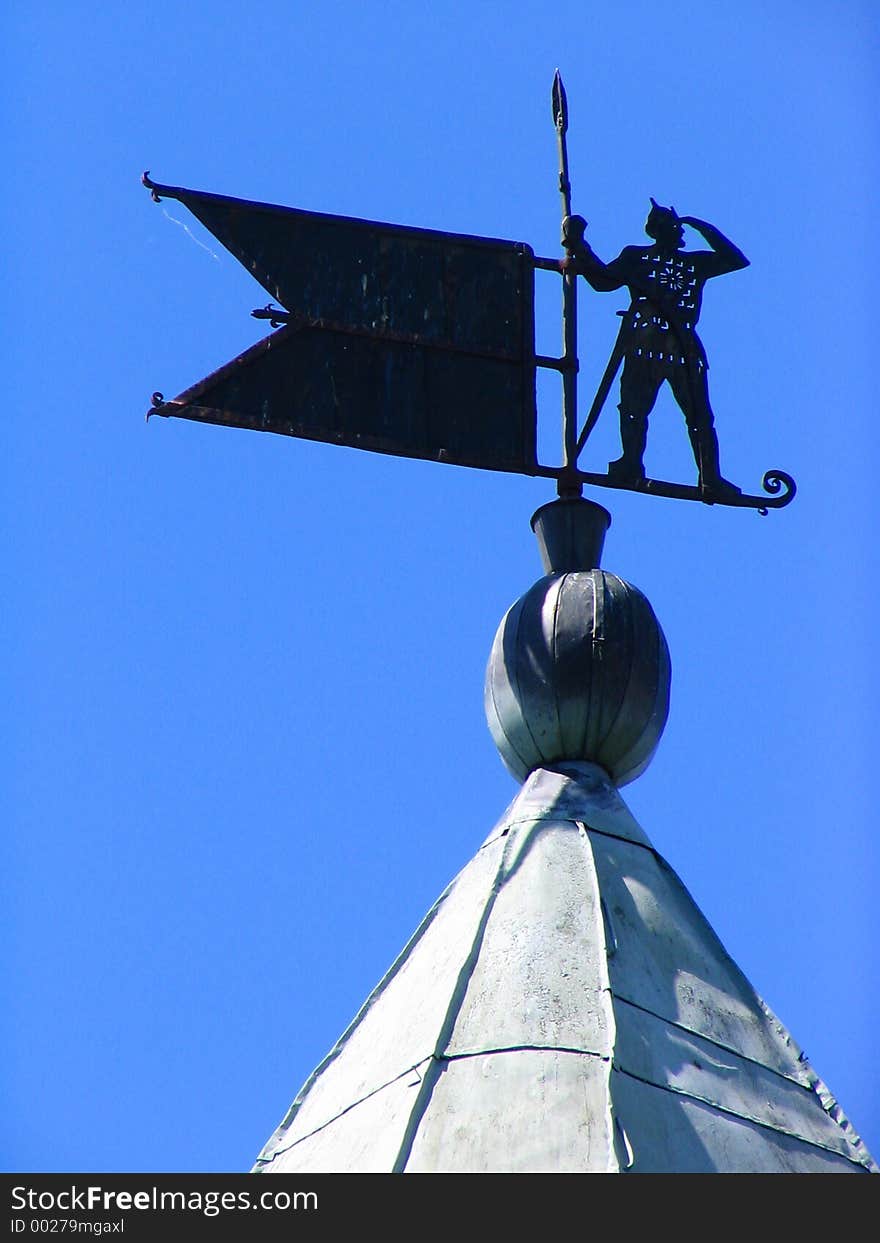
(731, 256)
(584, 260)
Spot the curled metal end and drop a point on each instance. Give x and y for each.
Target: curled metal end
(276, 317)
(151, 186)
(775, 481)
(156, 400)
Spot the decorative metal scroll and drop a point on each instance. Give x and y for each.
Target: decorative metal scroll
(422, 344)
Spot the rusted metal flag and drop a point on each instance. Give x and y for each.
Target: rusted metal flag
(394, 339)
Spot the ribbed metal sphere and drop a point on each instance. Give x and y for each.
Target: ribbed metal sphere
(579, 670)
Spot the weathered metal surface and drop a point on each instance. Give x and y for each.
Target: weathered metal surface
(422, 286)
(559, 793)
(540, 980)
(570, 535)
(670, 963)
(364, 1138)
(671, 1057)
(579, 669)
(565, 1006)
(398, 340)
(532, 1111)
(674, 1134)
(319, 383)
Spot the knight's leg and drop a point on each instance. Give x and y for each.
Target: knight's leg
(692, 394)
(638, 392)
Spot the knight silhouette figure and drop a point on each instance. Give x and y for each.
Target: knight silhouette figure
(658, 340)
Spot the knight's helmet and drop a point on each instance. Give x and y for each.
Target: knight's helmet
(659, 218)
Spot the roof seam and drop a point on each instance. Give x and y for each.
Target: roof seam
(617, 837)
(377, 992)
(261, 1160)
(630, 627)
(733, 1113)
(522, 1048)
(719, 1044)
(432, 1057)
(450, 1018)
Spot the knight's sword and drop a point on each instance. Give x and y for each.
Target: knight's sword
(604, 385)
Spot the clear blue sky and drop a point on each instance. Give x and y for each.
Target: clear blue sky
(244, 746)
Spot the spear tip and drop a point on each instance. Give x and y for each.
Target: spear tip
(560, 103)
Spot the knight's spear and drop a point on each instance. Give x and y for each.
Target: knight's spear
(568, 483)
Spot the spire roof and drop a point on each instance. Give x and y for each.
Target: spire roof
(565, 1006)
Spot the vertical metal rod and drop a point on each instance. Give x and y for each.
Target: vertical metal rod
(569, 375)
(567, 485)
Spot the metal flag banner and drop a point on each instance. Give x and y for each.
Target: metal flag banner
(399, 340)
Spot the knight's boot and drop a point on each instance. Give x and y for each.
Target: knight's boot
(704, 443)
(630, 468)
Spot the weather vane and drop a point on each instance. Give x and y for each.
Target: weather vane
(421, 343)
